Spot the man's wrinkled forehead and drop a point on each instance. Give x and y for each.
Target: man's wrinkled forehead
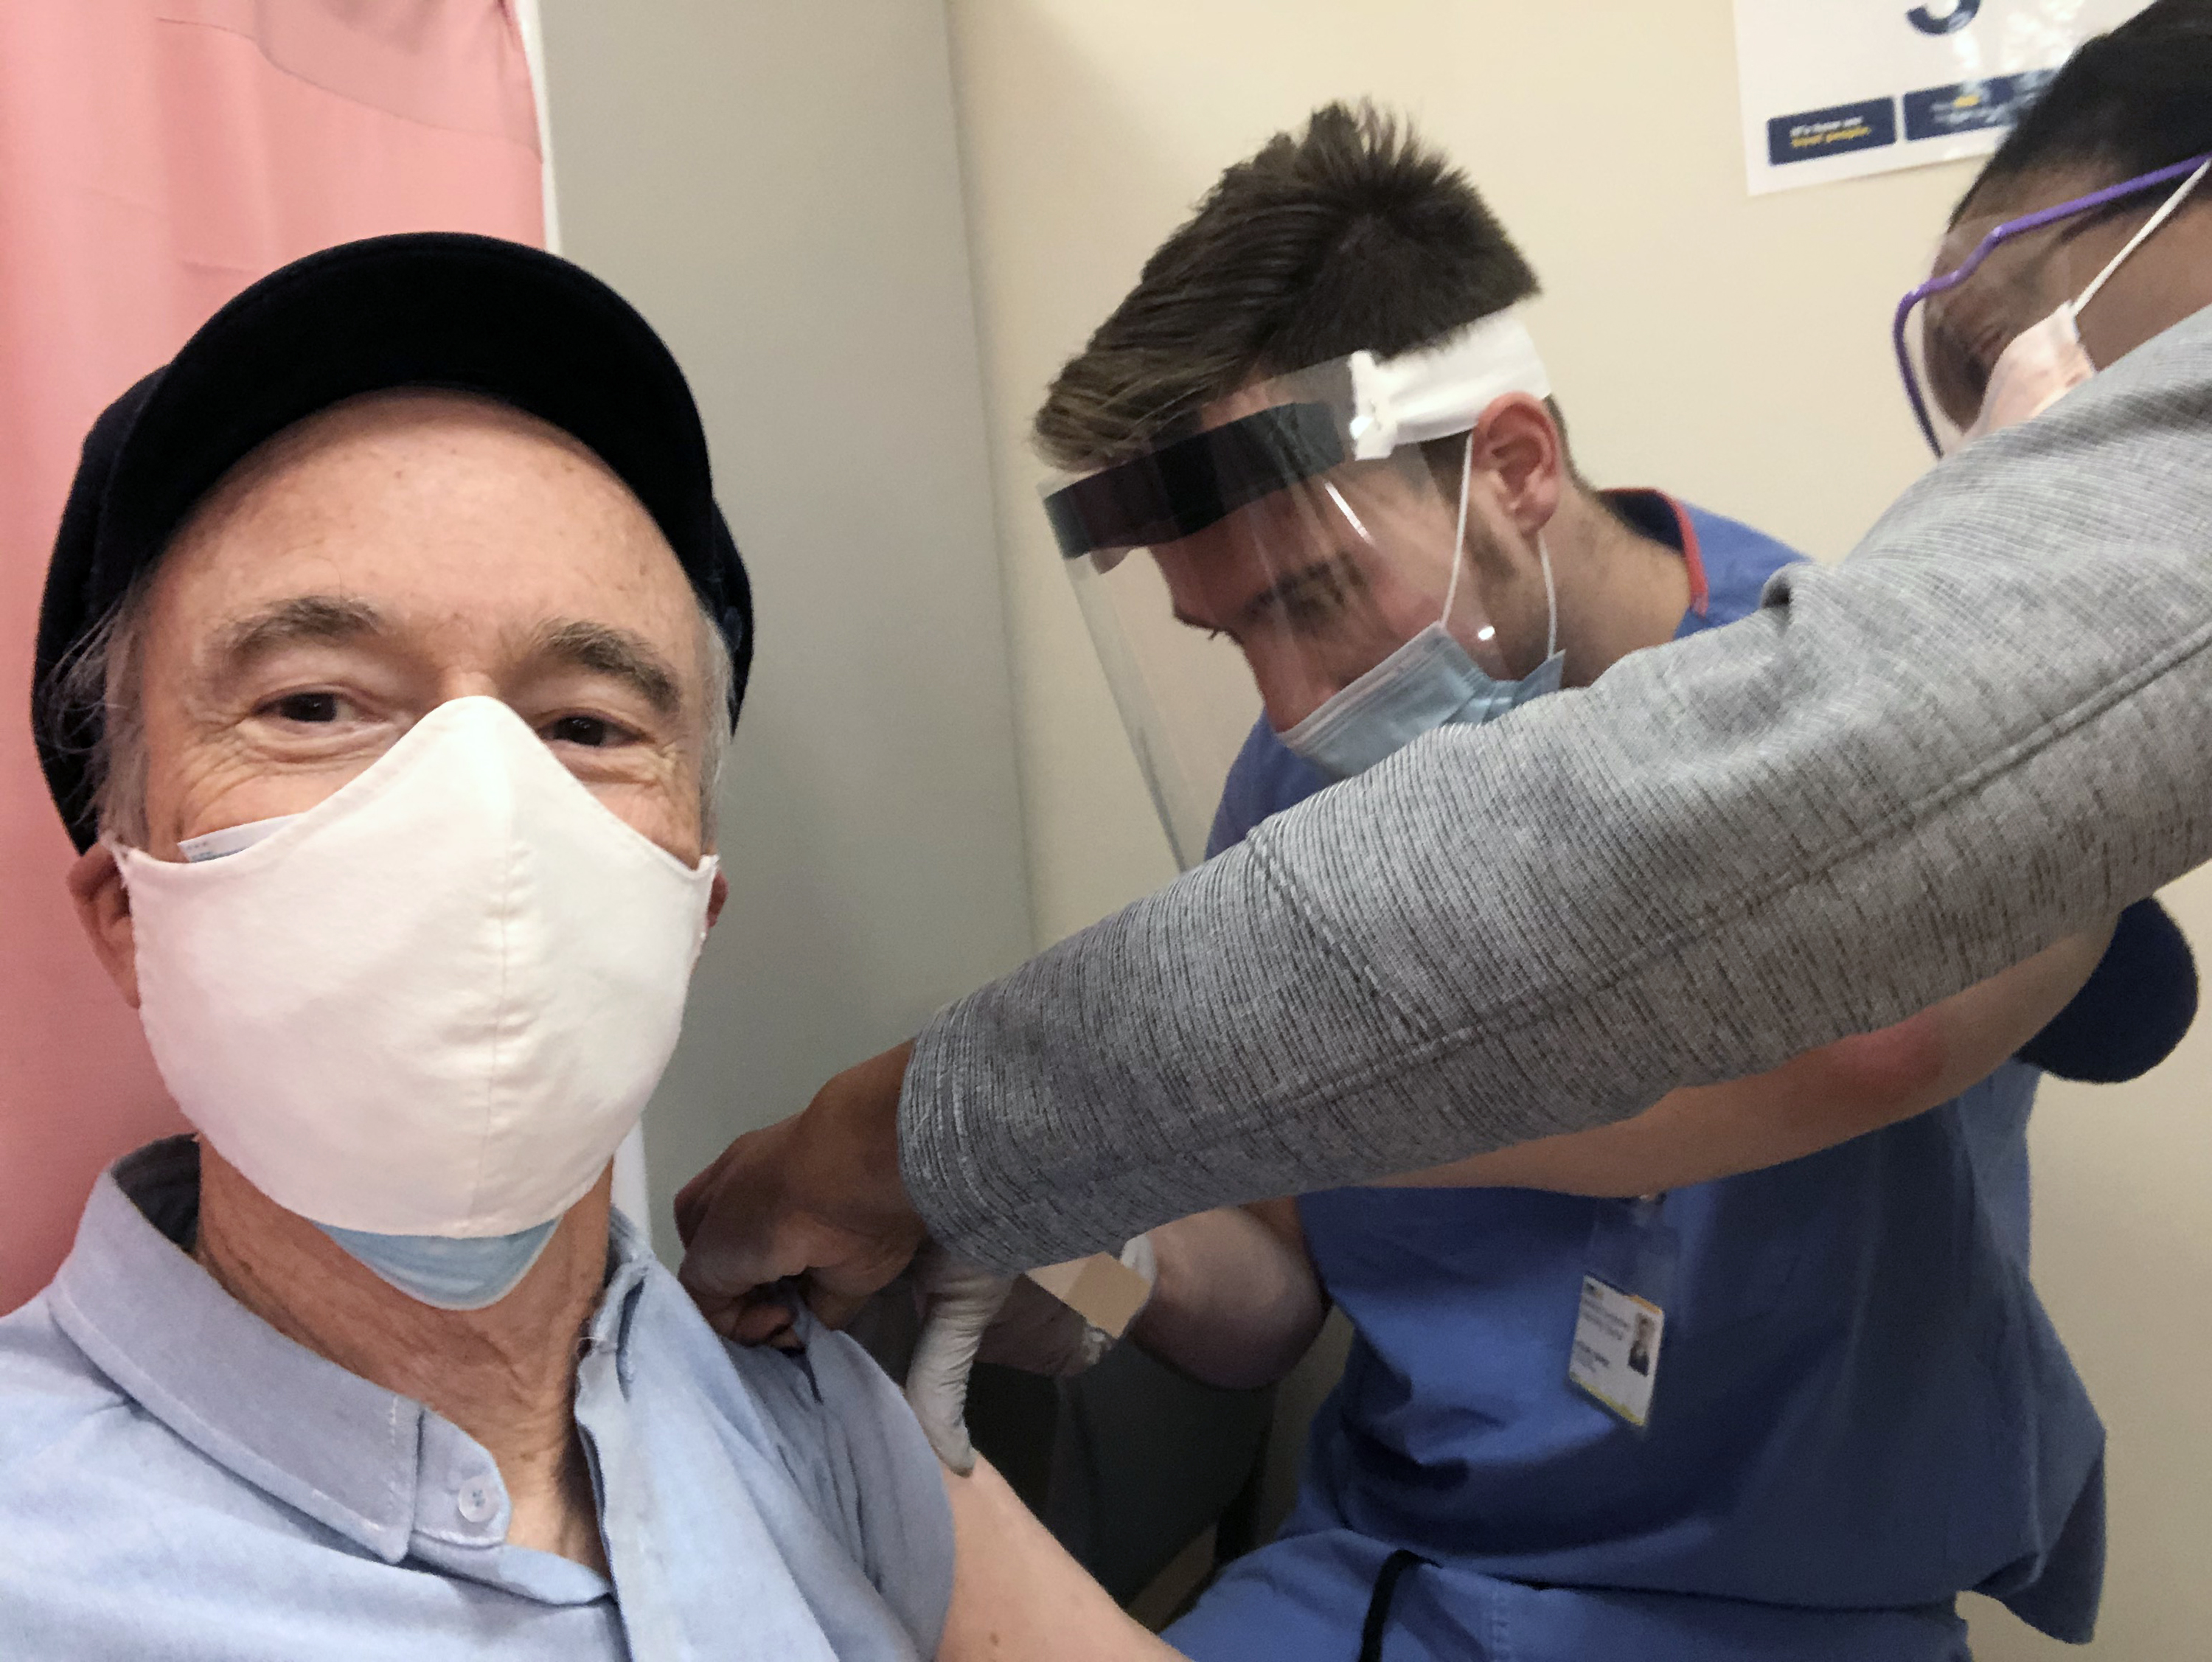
(427, 483)
(376, 443)
(394, 507)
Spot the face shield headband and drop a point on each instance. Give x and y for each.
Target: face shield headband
(1357, 408)
(1299, 533)
(1900, 336)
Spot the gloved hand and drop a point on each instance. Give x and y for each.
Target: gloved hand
(971, 1314)
(959, 1300)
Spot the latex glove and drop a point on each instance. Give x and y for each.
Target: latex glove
(971, 1314)
(1039, 1334)
(959, 1301)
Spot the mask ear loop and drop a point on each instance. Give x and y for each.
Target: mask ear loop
(1459, 531)
(2166, 209)
(1551, 601)
(1543, 555)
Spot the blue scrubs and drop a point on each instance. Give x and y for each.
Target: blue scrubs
(1861, 1407)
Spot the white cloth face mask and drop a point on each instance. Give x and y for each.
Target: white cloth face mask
(2046, 360)
(432, 1005)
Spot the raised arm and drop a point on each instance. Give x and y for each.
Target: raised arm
(1982, 732)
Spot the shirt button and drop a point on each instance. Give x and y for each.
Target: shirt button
(477, 1502)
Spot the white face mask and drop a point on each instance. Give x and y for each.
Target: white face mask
(432, 1005)
(2046, 360)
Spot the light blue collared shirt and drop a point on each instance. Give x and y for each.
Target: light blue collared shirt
(179, 1481)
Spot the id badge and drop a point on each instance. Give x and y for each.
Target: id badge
(1620, 1315)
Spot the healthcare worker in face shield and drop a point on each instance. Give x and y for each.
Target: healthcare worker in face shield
(1980, 730)
(1789, 1413)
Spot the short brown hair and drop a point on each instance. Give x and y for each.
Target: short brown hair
(1351, 236)
(2127, 102)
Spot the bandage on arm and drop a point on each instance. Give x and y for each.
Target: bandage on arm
(1016, 1593)
(1811, 1102)
(1236, 1302)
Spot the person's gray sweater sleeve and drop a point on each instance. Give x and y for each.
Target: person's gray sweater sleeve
(1990, 727)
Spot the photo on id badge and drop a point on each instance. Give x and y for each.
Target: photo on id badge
(1620, 1316)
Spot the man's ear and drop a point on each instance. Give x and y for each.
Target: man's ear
(1519, 445)
(717, 892)
(103, 907)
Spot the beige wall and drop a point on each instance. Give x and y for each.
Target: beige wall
(1731, 350)
(776, 187)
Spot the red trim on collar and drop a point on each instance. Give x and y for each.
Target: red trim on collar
(1700, 591)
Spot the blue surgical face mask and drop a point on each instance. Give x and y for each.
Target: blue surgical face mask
(446, 1271)
(1430, 682)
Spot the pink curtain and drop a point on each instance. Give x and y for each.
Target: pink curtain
(156, 157)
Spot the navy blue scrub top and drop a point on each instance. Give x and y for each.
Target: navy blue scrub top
(1861, 1409)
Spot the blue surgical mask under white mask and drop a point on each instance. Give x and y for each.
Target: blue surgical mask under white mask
(449, 1271)
(1430, 682)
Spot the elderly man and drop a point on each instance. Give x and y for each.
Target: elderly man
(389, 646)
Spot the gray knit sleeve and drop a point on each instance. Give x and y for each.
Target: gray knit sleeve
(1990, 727)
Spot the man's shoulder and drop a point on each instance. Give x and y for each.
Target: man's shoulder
(824, 1428)
(831, 1392)
(826, 1402)
(50, 1393)
(1266, 779)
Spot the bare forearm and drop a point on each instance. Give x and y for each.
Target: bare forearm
(1017, 1594)
(1235, 1303)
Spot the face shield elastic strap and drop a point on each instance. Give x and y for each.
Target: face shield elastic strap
(1359, 408)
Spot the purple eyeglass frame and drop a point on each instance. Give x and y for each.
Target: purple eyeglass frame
(2011, 227)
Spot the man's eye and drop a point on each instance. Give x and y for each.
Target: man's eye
(1312, 610)
(589, 730)
(306, 707)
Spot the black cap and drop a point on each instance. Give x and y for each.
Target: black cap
(471, 313)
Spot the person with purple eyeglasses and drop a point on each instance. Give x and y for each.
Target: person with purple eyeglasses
(1946, 328)
(1897, 776)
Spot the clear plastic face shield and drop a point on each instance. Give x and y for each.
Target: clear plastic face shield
(1265, 555)
(1968, 369)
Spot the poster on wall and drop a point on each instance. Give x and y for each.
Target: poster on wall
(1839, 88)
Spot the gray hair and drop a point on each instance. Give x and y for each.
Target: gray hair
(718, 726)
(96, 706)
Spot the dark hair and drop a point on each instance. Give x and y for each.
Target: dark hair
(1353, 235)
(2127, 102)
